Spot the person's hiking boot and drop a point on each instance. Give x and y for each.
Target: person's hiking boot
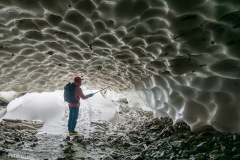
(73, 133)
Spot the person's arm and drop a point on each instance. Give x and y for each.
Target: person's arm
(80, 93)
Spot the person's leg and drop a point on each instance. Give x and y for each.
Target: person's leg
(75, 117)
(70, 119)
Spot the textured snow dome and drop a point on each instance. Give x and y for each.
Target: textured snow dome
(178, 57)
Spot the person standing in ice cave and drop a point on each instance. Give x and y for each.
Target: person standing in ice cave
(74, 93)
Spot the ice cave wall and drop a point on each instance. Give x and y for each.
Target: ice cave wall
(180, 58)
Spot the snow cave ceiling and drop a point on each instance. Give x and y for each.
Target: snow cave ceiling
(182, 55)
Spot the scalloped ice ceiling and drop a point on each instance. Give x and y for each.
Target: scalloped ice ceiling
(182, 55)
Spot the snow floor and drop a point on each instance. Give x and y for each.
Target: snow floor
(53, 111)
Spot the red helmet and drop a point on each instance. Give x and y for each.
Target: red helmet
(77, 80)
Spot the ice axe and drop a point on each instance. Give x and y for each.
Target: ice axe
(103, 89)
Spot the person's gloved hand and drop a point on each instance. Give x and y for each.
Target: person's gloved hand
(90, 95)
